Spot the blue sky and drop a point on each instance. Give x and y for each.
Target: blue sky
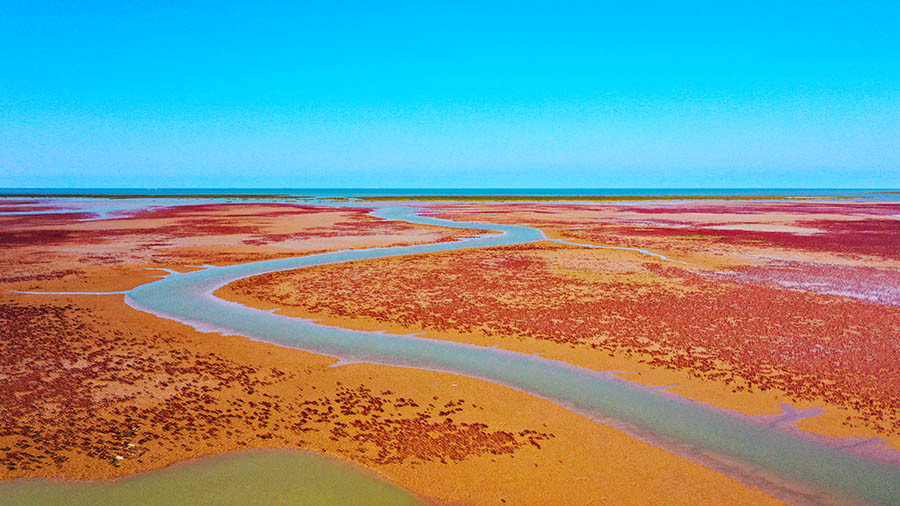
(221, 94)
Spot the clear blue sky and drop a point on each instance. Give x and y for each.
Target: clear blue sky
(377, 94)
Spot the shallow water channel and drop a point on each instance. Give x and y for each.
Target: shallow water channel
(793, 466)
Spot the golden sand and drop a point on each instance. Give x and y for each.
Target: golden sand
(606, 465)
(130, 392)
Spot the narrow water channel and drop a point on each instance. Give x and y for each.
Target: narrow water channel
(783, 462)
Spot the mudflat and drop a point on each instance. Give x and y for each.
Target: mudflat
(753, 305)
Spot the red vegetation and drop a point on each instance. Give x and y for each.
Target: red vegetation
(421, 435)
(361, 225)
(809, 345)
(865, 228)
(4, 202)
(873, 284)
(196, 234)
(872, 237)
(75, 386)
(756, 208)
(41, 276)
(244, 210)
(11, 221)
(25, 208)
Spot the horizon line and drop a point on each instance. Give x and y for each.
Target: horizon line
(432, 188)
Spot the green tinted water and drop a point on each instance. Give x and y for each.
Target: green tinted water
(270, 477)
(782, 462)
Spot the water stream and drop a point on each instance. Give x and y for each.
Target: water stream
(786, 462)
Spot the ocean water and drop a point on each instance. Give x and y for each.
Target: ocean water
(879, 194)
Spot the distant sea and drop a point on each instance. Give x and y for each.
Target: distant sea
(879, 194)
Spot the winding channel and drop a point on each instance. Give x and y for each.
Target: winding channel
(791, 464)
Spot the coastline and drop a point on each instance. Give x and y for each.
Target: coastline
(434, 198)
(549, 352)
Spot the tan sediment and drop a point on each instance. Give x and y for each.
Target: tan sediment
(589, 198)
(188, 380)
(678, 382)
(197, 196)
(606, 465)
(477, 198)
(120, 253)
(731, 396)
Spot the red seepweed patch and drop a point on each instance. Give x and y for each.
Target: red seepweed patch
(811, 346)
